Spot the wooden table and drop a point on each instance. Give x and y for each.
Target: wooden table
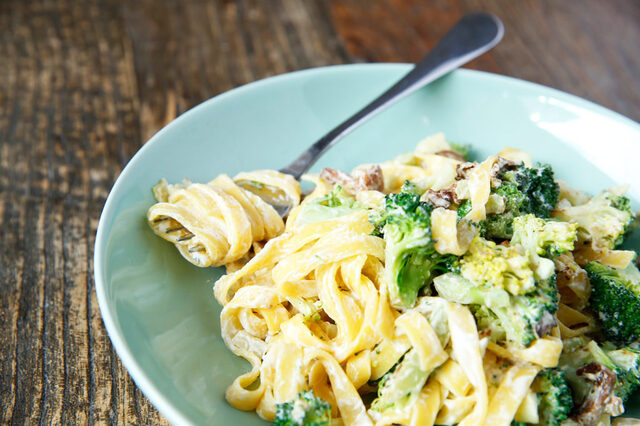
(84, 83)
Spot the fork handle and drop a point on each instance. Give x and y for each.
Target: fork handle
(470, 37)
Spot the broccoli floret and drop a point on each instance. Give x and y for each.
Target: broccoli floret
(411, 260)
(497, 226)
(615, 297)
(627, 362)
(525, 190)
(335, 204)
(410, 187)
(603, 220)
(488, 323)
(532, 291)
(543, 237)
(402, 207)
(554, 396)
(541, 240)
(520, 319)
(304, 410)
(537, 184)
(489, 264)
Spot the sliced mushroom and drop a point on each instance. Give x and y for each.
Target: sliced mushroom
(366, 178)
(462, 170)
(441, 198)
(497, 168)
(600, 397)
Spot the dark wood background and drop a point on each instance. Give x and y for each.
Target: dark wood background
(84, 83)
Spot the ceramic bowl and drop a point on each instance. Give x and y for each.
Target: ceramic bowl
(160, 311)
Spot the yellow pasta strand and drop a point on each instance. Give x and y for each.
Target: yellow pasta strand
(427, 406)
(359, 368)
(466, 350)
(351, 407)
(528, 410)
(451, 236)
(452, 377)
(479, 183)
(423, 339)
(216, 223)
(510, 394)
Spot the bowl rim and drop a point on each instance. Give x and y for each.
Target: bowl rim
(129, 360)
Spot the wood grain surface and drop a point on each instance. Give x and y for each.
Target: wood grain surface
(84, 83)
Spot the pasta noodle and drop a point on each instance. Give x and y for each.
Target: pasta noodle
(307, 300)
(452, 236)
(216, 224)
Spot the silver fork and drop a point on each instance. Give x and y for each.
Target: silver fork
(469, 38)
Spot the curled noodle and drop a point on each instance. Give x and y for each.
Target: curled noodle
(216, 223)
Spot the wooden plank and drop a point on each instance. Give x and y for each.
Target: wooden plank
(11, 271)
(11, 260)
(24, 228)
(559, 44)
(70, 109)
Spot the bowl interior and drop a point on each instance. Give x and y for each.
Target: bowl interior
(159, 309)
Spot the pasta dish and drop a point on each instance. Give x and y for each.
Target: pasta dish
(428, 289)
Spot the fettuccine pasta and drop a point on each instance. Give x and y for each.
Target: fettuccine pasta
(215, 224)
(411, 292)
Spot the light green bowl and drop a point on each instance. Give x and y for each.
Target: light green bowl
(160, 311)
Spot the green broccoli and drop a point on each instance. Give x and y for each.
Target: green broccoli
(576, 353)
(615, 297)
(627, 362)
(335, 204)
(411, 187)
(555, 400)
(489, 264)
(603, 220)
(543, 237)
(411, 260)
(537, 184)
(463, 209)
(488, 323)
(304, 410)
(525, 190)
(519, 319)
